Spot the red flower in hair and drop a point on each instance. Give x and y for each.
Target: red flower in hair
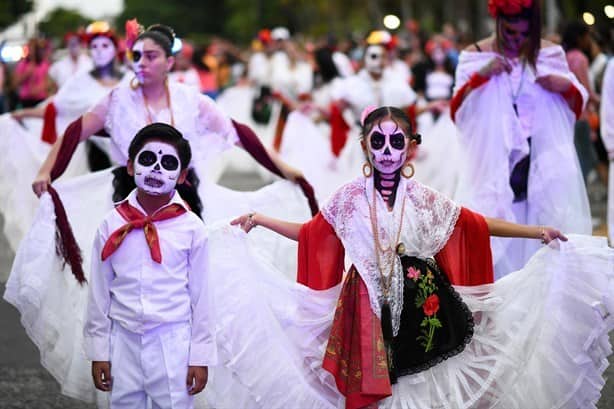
(507, 7)
(133, 30)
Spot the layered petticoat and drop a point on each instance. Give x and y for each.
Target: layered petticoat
(541, 335)
(51, 302)
(23, 153)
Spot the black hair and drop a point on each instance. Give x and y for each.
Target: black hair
(326, 66)
(162, 35)
(396, 114)
(123, 183)
(159, 131)
(572, 34)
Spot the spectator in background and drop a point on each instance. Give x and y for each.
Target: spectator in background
(577, 43)
(75, 62)
(30, 76)
(183, 70)
(3, 102)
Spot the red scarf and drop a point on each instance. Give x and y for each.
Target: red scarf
(137, 220)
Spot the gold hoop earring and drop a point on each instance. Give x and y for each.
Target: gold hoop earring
(134, 85)
(411, 168)
(367, 169)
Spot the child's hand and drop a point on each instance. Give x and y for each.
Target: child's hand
(101, 373)
(549, 234)
(246, 222)
(197, 379)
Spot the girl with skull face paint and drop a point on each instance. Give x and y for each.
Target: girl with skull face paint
(514, 106)
(122, 113)
(417, 315)
(31, 140)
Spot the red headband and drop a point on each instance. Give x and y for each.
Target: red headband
(497, 8)
(99, 29)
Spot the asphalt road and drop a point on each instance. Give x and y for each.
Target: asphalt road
(24, 384)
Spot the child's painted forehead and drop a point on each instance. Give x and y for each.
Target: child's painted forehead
(159, 147)
(387, 126)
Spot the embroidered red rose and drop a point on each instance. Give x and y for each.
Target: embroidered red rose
(431, 305)
(507, 7)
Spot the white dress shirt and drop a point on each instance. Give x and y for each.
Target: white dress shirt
(139, 294)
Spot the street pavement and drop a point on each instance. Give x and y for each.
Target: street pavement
(25, 384)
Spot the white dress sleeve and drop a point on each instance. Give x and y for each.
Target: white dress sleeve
(211, 119)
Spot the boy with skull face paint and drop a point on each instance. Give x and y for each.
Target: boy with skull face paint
(149, 313)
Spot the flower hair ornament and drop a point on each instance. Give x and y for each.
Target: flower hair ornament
(133, 30)
(498, 8)
(99, 28)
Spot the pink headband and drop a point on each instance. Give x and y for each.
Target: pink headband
(365, 113)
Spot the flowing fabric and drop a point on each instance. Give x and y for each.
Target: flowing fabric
(494, 139)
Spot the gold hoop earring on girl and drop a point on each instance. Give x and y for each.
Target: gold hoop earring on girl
(367, 169)
(408, 171)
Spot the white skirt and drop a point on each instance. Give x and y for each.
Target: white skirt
(23, 153)
(540, 341)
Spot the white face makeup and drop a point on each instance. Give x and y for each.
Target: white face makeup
(102, 50)
(387, 144)
(515, 34)
(374, 59)
(157, 168)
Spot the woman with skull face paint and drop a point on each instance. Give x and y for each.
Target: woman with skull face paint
(515, 105)
(27, 147)
(126, 109)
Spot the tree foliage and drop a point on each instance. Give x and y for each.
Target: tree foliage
(11, 10)
(60, 20)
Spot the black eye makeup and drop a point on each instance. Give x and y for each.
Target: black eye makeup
(147, 158)
(397, 141)
(169, 162)
(136, 56)
(377, 140)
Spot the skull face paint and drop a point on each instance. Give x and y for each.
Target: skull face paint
(102, 50)
(387, 144)
(514, 34)
(374, 59)
(157, 168)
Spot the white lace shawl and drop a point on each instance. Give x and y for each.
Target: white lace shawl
(429, 220)
(196, 116)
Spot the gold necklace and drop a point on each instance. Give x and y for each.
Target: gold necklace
(168, 104)
(386, 281)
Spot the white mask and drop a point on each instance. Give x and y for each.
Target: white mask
(156, 168)
(102, 50)
(387, 144)
(374, 59)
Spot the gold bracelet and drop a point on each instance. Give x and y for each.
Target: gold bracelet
(543, 234)
(250, 221)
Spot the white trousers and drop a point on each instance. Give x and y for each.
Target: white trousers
(152, 366)
(611, 203)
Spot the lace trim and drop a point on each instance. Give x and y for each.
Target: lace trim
(434, 218)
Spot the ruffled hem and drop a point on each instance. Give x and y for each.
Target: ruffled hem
(541, 337)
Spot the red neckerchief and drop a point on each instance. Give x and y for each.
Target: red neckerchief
(137, 220)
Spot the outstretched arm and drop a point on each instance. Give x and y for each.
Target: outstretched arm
(502, 228)
(251, 220)
(90, 123)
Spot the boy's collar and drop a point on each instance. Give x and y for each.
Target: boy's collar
(132, 200)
